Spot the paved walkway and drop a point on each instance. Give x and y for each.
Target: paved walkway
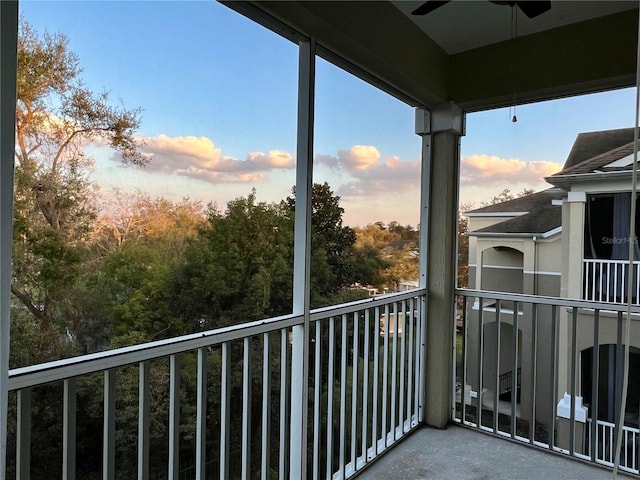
(458, 453)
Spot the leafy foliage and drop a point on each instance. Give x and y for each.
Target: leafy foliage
(506, 195)
(387, 254)
(331, 240)
(238, 268)
(55, 206)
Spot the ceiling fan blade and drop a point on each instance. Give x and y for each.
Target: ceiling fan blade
(533, 8)
(428, 7)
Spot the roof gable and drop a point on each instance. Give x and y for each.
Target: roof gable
(591, 144)
(600, 163)
(518, 205)
(537, 216)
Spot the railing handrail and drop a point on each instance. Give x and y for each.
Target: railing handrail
(48, 372)
(608, 260)
(604, 423)
(543, 300)
(371, 302)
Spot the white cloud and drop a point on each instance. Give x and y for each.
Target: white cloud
(171, 154)
(392, 177)
(273, 159)
(369, 175)
(359, 157)
(199, 158)
(489, 170)
(364, 172)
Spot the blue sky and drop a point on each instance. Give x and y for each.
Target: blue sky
(218, 95)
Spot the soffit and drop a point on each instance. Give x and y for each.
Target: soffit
(459, 26)
(463, 52)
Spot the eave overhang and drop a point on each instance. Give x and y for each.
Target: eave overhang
(382, 42)
(519, 235)
(493, 214)
(565, 181)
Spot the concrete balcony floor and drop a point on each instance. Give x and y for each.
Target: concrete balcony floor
(458, 453)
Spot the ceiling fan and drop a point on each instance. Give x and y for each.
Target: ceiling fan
(531, 8)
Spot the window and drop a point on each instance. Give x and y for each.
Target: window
(607, 226)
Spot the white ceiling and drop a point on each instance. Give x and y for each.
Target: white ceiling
(463, 25)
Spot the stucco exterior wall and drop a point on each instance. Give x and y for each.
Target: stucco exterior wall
(534, 267)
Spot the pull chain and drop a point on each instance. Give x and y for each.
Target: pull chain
(514, 49)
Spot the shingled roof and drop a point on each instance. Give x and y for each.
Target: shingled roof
(591, 144)
(540, 217)
(600, 162)
(517, 205)
(591, 152)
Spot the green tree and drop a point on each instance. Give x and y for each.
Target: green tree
(145, 240)
(369, 254)
(506, 195)
(238, 268)
(56, 116)
(463, 245)
(331, 240)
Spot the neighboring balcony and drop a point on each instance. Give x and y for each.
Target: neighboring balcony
(218, 404)
(608, 281)
(547, 372)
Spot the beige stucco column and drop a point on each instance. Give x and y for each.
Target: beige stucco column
(447, 126)
(573, 209)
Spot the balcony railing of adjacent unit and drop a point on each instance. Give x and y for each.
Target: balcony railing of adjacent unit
(216, 404)
(607, 280)
(604, 445)
(544, 341)
(506, 382)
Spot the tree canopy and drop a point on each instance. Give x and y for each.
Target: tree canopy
(92, 271)
(55, 210)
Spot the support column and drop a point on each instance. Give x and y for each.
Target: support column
(573, 218)
(302, 262)
(573, 211)
(447, 126)
(8, 68)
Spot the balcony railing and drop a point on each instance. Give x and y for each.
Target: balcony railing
(605, 441)
(506, 382)
(550, 343)
(217, 403)
(607, 281)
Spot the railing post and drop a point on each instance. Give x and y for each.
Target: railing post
(301, 260)
(109, 426)
(23, 440)
(175, 364)
(144, 397)
(69, 430)
(201, 416)
(225, 408)
(246, 409)
(8, 68)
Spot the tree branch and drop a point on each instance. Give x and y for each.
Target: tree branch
(67, 142)
(27, 302)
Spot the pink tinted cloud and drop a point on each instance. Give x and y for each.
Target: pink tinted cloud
(490, 170)
(359, 157)
(199, 158)
(370, 175)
